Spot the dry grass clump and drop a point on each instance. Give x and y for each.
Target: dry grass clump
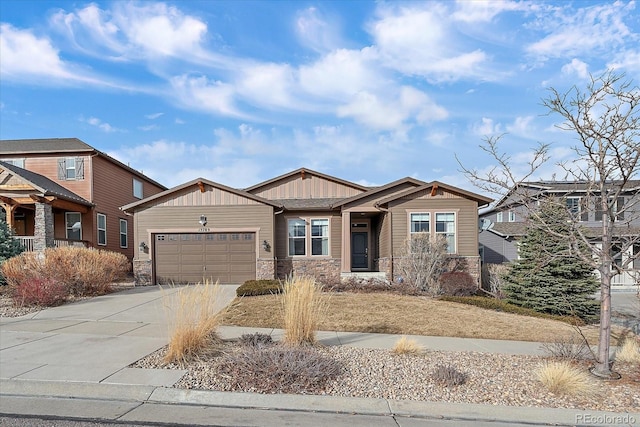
(406, 346)
(449, 376)
(629, 352)
(563, 378)
(194, 316)
(569, 347)
(77, 271)
(279, 369)
(303, 307)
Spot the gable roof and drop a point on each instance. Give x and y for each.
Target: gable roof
(303, 171)
(377, 190)
(63, 145)
(197, 182)
(44, 185)
(481, 200)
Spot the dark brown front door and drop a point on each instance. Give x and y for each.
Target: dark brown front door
(360, 249)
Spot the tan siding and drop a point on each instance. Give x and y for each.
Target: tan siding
(370, 201)
(467, 220)
(219, 217)
(192, 196)
(311, 186)
(335, 231)
(113, 188)
(384, 236)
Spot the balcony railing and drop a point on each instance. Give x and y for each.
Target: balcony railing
(27, 242)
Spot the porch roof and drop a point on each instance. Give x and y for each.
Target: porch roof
(41, 185)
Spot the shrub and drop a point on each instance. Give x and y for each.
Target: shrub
(406, 346)
(279, 369)
(565, 378)
(371, 286)
(492, 279)
(457, 283)
(259, 287)
(256, 340)
(9, 247)
(422, 260)
(629, 352)
(302, 306)
(448, 376)
(194, 314)
(571, 347)
(82, 271)
(38, 291)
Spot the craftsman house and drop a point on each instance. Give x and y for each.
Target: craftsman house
(505, 223)
(61, 192)
(303, 222)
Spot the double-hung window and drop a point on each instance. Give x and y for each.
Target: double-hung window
(137, 189)
(124, 237)
(319, 237)
(446, 226)
(71, 168)
(499, 217)
(573, 206)
(102, 229)
(297, 237)
(420, 222)
(73, 222)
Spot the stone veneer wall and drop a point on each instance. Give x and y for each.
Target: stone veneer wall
(327, 269)
(265, 268)
(43, 233)
(384, 266)
(142, 272)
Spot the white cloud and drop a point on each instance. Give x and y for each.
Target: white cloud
(577, 68)
(23, 53)
(590, 30)
(487, 127)
(148, 128)
(200, 93)
(179, 121)
(521, 126)
(484, 10)
(268, 84)
(419, 40)
(154, 116)
(96, 122)
(315, 31)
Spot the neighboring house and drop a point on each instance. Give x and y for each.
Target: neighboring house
(505, 223)
(60, 192)
(303, 222)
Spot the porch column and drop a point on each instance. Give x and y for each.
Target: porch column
(43, 234)
(9, 210)
(346, 242)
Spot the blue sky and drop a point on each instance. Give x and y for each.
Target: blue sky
(241, 91)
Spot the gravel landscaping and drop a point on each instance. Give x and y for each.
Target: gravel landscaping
(492, 379)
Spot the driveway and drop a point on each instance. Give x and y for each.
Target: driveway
(92, 340)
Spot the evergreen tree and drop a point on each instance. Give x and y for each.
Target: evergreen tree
(547, 277)
(9, 247)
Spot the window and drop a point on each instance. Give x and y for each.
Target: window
(15, 162)
(499, 217)
(102, 229)
(573, 205)
(124, 236)
(137, 189)
(319, 237)
(446, 226)
(297, 237)
(73, 221)
(71, 168)
(420, 222)
(618, 208)
(512, 216)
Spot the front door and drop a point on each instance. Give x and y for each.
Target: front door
(360, 249)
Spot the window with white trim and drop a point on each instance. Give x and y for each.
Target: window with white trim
(102, 229)
(420, 222)
(319, 237)
(573, 205)
(499, 217)
(137, 189)
(297, 237)
(124, 235)
(446, 226)
(15, 162)
(512, 216)
(73, 223)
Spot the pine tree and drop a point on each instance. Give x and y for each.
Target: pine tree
(547, 277)
(9, 247)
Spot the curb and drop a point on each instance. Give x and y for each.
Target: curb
(314, 403)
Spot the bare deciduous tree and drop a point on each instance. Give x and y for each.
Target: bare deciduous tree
(605, 118)
(422, 260)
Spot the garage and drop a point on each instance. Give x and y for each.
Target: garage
(192, 257)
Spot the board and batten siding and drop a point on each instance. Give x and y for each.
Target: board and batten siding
(335, 232)
(466, 218)
(212, 196)
(370, 201)
(295, 187)
(228, 218)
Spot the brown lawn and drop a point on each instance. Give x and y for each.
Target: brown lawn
(411, 315)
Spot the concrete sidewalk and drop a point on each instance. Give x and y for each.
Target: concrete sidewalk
(82, 351)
